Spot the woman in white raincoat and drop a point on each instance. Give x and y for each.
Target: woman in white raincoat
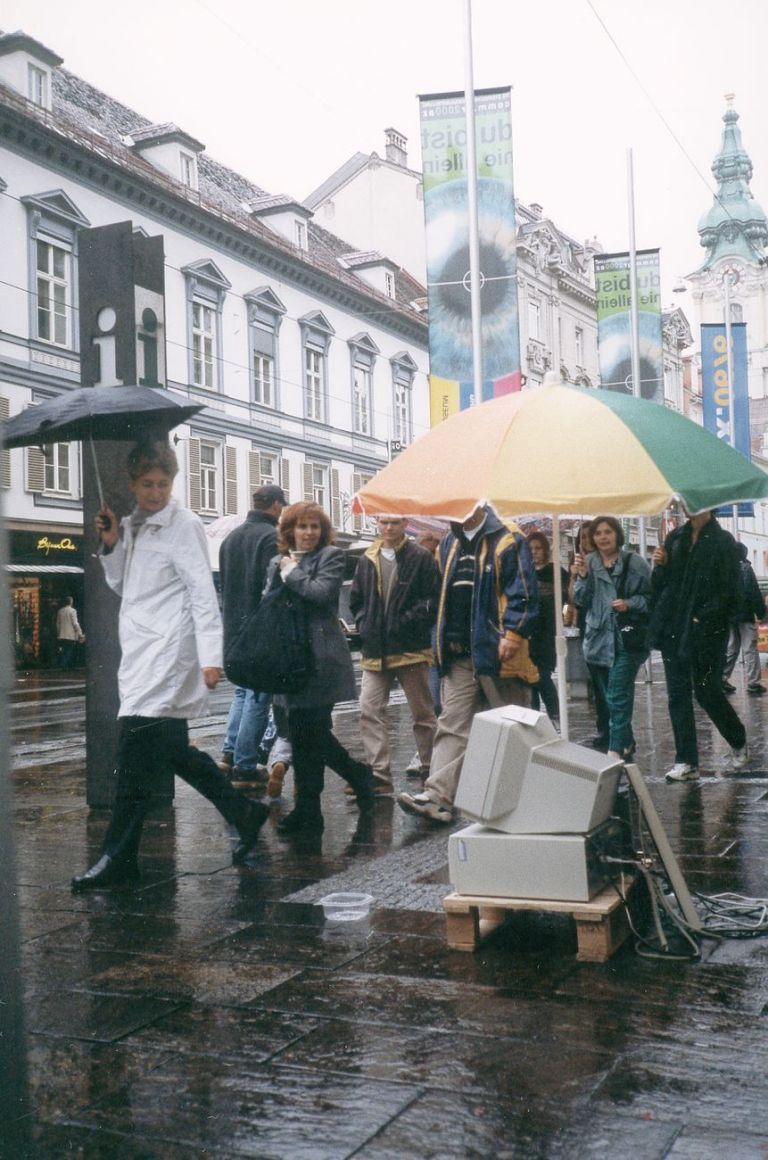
(171, 641)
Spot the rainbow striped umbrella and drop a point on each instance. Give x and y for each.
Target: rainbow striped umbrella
(563, 450)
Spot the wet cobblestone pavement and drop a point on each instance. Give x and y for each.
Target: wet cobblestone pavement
(212, 1012)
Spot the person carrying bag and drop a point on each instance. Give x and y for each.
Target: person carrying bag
(611, 590)
(271, 653)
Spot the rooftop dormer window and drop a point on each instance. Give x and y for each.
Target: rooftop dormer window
(37, 85)
(301, 235)
(25, 66)
(170, 149)
(188, 163)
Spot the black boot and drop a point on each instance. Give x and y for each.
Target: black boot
(306, 817)
(108, 871)
(361, 782)
(249, 829)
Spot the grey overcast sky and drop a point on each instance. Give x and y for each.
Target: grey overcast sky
(286, 90)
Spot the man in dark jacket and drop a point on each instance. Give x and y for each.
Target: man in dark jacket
(694, 589)
(243, 560)
(487, 608)
(394, 603)
(750, 609)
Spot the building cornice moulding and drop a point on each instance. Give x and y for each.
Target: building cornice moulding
(32, 132)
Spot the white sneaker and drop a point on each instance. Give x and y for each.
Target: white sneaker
(682, 771)
(739, 758)
(422, 804)
(414, 765)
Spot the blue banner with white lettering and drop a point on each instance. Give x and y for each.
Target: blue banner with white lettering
(719, 395)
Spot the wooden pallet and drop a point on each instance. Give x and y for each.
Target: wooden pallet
(601, 925)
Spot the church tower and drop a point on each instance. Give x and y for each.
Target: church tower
(734, 234)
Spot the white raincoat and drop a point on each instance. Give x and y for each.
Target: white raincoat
(170, 625)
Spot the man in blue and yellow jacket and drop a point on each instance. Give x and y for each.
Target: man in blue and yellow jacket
(487, 608)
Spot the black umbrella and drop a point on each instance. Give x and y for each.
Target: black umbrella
(91, 413)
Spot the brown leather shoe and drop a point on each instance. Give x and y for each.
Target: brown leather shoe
(276, 778)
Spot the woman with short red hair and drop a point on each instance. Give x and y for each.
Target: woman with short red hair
(313, 569)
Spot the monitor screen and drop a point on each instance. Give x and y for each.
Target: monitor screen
(519, 777)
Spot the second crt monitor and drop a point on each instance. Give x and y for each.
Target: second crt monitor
(520, 778)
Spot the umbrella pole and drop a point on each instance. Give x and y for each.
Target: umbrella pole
(561, 645)
(96, 471)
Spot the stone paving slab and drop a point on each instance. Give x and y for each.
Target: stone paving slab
(213, 1012)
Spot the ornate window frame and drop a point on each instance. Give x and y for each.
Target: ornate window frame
(362, 360)
(265, 317)
(316, 334)
(53, 219)
(207, 287)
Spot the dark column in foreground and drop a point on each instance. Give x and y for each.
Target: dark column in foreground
(122, 343)
(14, 1107)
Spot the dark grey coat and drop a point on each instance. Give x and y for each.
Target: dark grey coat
(318, 578)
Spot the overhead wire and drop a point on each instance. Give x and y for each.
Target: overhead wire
(759, 257)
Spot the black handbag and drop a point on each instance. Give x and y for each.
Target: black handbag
(633, 626)
(272, 653)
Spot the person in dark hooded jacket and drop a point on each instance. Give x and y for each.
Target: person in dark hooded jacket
(694, 587)
(750, 609)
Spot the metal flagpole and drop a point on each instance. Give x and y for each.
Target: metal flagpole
(474, 237)
(634, 331)
(634, 325)
(731, 384)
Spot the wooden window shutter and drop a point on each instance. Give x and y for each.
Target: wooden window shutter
(357, 483)
(254, 473)
(309, 491)
(194, 474)
(230, 481)
(335, 499)
(35, 470)
(285, 477)
(5, 456)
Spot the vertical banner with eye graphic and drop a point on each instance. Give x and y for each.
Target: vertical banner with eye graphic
(719, 395)
(613, 300)
(446, 215)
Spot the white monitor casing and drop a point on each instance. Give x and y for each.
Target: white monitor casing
(519, 777)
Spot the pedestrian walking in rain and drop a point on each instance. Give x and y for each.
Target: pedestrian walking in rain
(313, 569)
(394, 604)
(695, 586)
(743, 634)
(243, 561)
(610, 583)
(171, 642)
(542, 640)
(583, 546)
(487, 608)
(68, 633)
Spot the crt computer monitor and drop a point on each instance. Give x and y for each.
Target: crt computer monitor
(519, 777)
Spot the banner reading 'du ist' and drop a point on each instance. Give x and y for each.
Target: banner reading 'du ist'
(717, 395)
(446, 214)
(614, 344)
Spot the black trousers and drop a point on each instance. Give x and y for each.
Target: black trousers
(146, 744)
(700, 675)
(314, 746)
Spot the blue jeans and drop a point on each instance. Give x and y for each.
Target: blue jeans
(617, 684)
(246, 723)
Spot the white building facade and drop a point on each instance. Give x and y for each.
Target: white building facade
(308, 356)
